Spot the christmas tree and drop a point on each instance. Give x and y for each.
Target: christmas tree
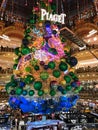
(43, 79)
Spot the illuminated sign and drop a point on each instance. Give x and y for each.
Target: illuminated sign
(52, 17)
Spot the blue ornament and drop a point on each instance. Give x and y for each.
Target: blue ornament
(45, 67)
(63, 98)
(24, 92)
(47, 23)
(26, 107)
(12, 92)
(23, 100)
(14, 102)
(25, 42)
(73, 61)
(36, 31)
(22, 84)
(60, 88)
(74, 84)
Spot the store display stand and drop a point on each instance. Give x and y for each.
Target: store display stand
(45, 125)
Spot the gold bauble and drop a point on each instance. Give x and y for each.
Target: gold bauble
(71, 70)
(63, 82)
(46, 90)
(40, 24)
(66, 49)
(16, 72)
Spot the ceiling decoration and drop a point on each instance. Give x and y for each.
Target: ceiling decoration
(12, 35)
(84, 28)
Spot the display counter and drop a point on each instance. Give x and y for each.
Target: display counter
(46, 124)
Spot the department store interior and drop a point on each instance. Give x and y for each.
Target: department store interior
(81, 36)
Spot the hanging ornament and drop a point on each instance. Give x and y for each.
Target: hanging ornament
(46, 67)
(68, 87)
(36, 9)
(28, 69)
(14, 66)
(52, 92)
(36, 67)
(74, 84)
(33, 62)
(67, 78)
(19, 91)
(31, 92)
(14, 83)
(63, 82)
(12, 92)
(17, 60)
(44, 75)
(51, 65)
(37, 85)
(40, 93)
(22, 84)
(28, 30)
(32, 21)
(42, 63)
(42, 4)
(24, 93)
(17, 51)
(28, 79)
(50, 1)
(63, 66)
(64, 91)
(56, 73)
(25, 50)
(72, 61)
(53, 51)
(53, 7)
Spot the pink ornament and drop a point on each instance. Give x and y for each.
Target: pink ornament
(50, 1)
(78, 83)
(36, 9)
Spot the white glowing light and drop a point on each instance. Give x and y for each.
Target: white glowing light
(65, 72)
(82, 48)
(41, 55)
(88, 40)
(95, 38)
(88, 62)
(5, 37)
(92, 32)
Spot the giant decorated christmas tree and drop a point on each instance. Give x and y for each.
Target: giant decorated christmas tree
(43, 79)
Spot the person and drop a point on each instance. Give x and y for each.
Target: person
(22, 124)
(13, 123)
(17, 123)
